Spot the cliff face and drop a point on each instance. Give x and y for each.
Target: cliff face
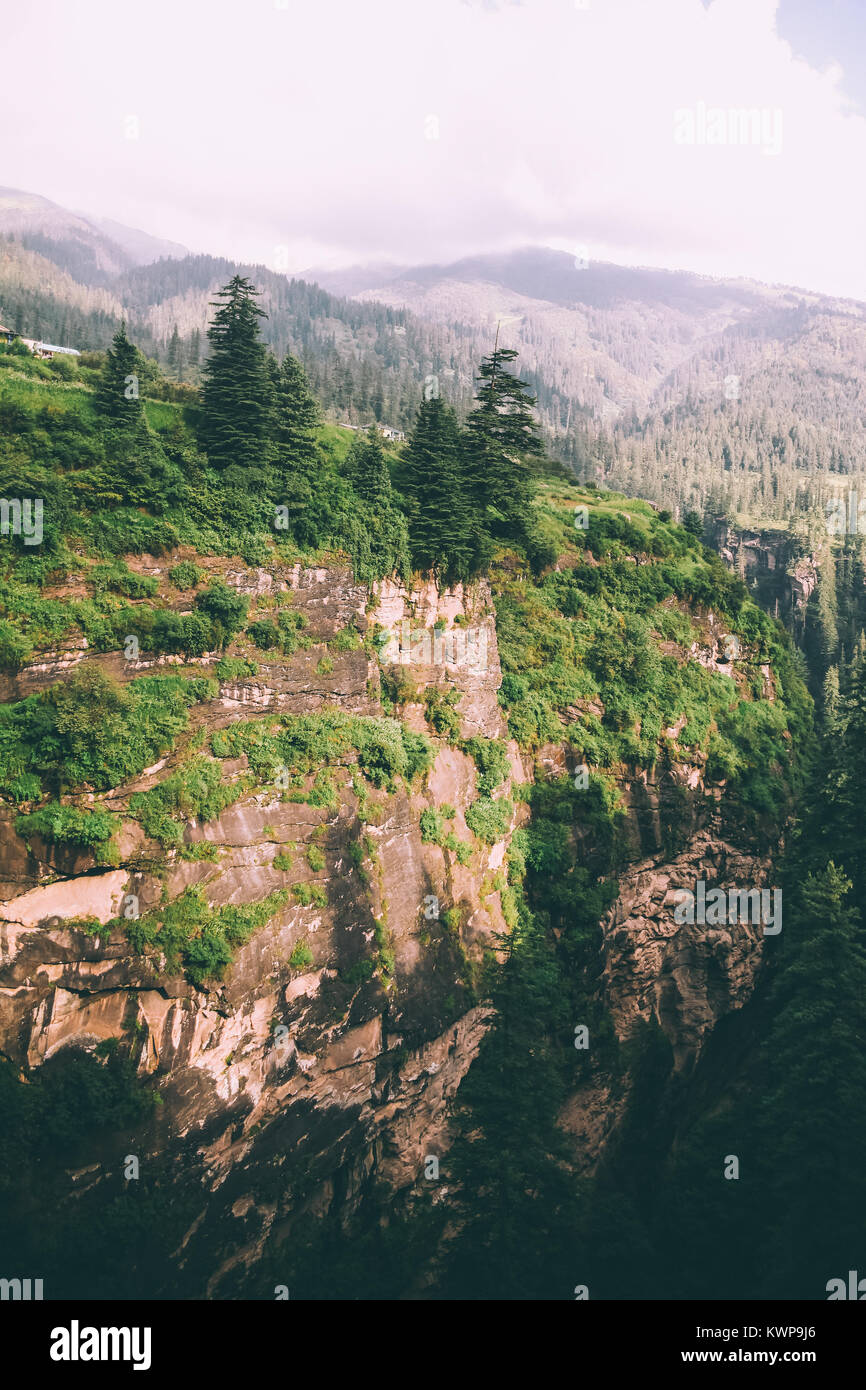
(326, 1060)
(770, 561)
(346, 1071)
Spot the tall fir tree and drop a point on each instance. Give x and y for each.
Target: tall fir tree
(821, 637)
(516, 1204)
(501, 437)
(837, 831)
(378, 537)
(175, 354)
(814, 1112)
(294, 426)
(440, 527)
(367, 469)
(830, 700)
(236, 401)
(118, 393)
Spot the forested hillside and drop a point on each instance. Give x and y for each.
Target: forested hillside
(716, 396)
(286, 921)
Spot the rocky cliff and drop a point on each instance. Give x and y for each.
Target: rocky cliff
(322, 1066)
(773, 564)
(343, 1026)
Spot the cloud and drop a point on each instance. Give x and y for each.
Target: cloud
(413, 131)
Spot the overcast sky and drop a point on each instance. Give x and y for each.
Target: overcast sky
(416, 130)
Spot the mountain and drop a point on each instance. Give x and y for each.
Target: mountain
(615, 336)
(63, 278)
(141, 247)
(256, 901)
(92, 250)
(463, 982)
(697, 393)
(66, 238)
(679, 387)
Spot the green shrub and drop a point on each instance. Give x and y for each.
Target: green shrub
(226, 609)
(56, 824)
(119, 579)
(397, 687)
(92, 731)
(195, 791)
(359, 971)
(193, 934)
(264, 634)
(301, 956)
(185, 575)
(233, 668)
(440, 712)
(15, 649)
(452, 920)
(348, 639)
(489, 819)
(310, 894)
(432, 827)
(315, 859)
(492, 764)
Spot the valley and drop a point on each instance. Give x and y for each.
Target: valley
(352, 787)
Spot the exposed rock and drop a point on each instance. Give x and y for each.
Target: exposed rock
(685, 976)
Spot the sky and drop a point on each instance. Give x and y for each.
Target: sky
(328, 133)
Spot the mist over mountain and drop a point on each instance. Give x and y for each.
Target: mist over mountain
(141, 247)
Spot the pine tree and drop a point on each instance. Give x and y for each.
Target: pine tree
(821, 639)
(367, 469)
(517, 1206)
(501, 436)
(838, 831)
(194, 347)
(175, 353)
(830, 699)
(118, 392)
(294, 431)
(378, 538)
(236, 398)
(815, 1107)
(439, 518)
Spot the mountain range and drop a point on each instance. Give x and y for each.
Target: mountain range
(678, 386)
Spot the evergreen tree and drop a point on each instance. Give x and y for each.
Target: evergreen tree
(815, 1108)
(294, 427)
(516, 1203)
(501, 436)
(175, 353)
(367, 469)
(838, 830)
(439, 518)
(821, 640)
(194, 347)
(118, 391)
(830, 699)
(377, 535)
(237, 388)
